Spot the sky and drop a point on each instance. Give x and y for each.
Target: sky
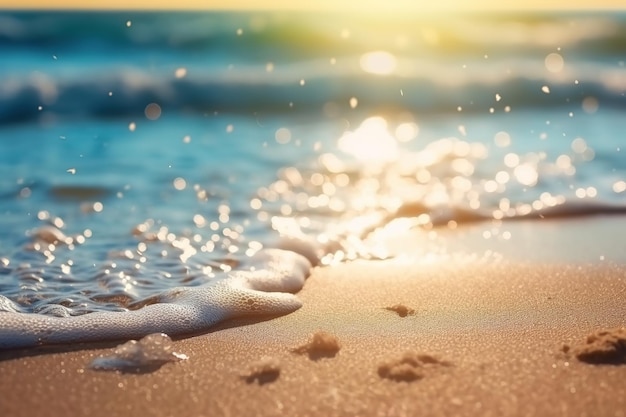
(360, 5)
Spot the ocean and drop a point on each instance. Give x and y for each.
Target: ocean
(142, 151)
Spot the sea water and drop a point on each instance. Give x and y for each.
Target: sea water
(144, 151)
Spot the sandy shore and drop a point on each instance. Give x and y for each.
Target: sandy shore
(474, 335)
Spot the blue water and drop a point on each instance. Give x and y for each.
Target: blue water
(165, 146)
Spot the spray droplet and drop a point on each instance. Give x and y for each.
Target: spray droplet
(153, 111)
(590, 105)
(554, 62)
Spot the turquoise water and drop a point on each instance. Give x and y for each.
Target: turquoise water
(167, 147)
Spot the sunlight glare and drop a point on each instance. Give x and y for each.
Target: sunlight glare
(370, 142)
(378, 62)
(406, 132)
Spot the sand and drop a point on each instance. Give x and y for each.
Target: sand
(489, 335)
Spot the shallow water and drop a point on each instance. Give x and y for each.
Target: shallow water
(166, 148)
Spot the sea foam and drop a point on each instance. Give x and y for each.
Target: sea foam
(265, 289)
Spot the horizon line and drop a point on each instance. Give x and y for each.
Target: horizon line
(371, 6)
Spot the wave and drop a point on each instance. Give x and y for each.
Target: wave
(316, 32)
(111, 64)
(127, 93)
(442, 216)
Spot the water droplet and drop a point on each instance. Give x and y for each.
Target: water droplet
(590, 105)
(554, 62)
(153, 111)
(180, 183)
(502, 139)
(283, 135)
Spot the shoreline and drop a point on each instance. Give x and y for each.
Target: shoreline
(491, 330)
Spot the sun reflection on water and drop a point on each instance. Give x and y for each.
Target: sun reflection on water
(378, 62)
(381, 178)
(370, 142)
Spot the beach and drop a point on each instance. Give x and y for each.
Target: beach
(458, 182)
(484, 334)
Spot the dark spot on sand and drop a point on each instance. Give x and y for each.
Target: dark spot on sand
(409, 367)
(264, 371)
(603, 347)
(321, 345)
(401, 310)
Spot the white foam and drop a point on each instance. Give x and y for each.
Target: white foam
(265, 289)
(6, 305)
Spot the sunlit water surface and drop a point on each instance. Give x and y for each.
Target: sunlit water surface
(146, 151)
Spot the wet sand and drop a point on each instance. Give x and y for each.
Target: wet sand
(483, 335)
